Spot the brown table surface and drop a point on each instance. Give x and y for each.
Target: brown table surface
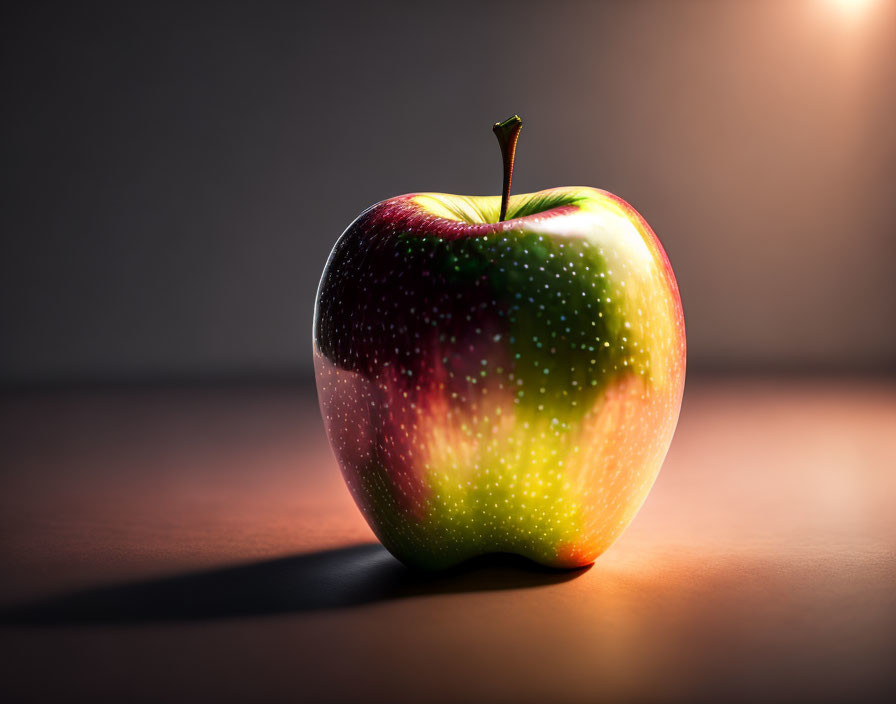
(199, 544)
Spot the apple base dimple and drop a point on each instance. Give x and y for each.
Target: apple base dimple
(565, 563)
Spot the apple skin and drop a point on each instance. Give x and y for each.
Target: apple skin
(499, 386)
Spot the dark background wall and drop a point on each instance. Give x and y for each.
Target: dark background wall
(174, 176)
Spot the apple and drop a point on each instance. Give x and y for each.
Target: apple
(497, 373)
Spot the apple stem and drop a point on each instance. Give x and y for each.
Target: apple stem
(507, 132)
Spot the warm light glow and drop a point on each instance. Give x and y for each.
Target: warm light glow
(853, 5)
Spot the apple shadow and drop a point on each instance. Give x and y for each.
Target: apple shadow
(330, 579)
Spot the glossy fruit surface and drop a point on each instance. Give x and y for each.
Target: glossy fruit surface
(499, 386)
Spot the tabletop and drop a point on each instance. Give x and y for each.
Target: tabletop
(198, 544)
